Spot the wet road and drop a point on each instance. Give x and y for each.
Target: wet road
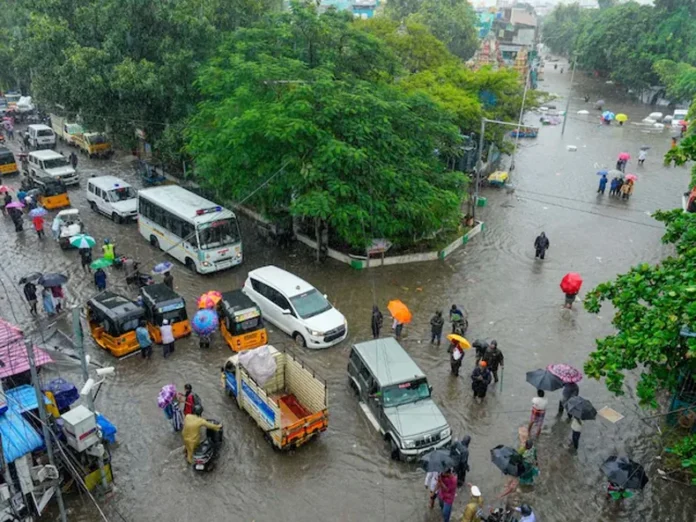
(347, 475)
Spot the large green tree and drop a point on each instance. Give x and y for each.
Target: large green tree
(310, 96)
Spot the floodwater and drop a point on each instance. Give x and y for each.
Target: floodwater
(347, 474)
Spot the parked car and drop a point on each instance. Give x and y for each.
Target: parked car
(296, 307)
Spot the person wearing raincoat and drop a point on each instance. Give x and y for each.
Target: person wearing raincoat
(192, 431)
(480, 379)
(377, 321)
(55, 228)
(459, 451)
(541, 245)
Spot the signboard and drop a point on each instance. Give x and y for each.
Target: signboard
(263, 409)
(170, 307)
(245, 315)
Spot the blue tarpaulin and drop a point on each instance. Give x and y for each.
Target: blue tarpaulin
(23, 398)
(18, 436)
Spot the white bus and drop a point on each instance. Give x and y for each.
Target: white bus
(199, 233)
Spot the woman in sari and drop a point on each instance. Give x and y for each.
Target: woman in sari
(529, 456)
(47, 301)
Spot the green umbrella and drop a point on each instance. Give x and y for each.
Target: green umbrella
(82, 241)
(101, 263)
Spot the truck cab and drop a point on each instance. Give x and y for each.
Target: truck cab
(241, 323)
(94, 144)
(395, 396)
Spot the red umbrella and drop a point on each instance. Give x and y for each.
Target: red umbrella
(571, 283)
(624, 156)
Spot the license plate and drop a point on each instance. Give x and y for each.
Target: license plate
(200, 466)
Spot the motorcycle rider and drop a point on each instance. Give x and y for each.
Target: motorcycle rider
(192, 431)
(456, 317)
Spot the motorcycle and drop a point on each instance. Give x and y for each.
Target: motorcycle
(460, 327)
(497, 515)
(137, 278)
(207, 452)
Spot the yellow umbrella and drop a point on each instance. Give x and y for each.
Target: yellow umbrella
(463, 343)
(621, 117)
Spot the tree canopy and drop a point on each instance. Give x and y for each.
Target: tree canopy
(311, 96)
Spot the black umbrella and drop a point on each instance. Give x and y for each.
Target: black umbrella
(31, 278)
(436, 461)
(508, 460)
(645, 147)
(599, 104)
(544, 380)
(53, 280)
(580, 408)
(625, 473)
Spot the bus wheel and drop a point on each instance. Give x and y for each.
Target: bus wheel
(154, 242)
(191, 265)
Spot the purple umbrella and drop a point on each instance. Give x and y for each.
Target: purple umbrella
(166, 394)
(565, 372)
(205, 322)
(14, 204)
(38, 212)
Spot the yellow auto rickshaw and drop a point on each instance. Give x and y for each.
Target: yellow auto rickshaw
(112, 322)
(161, 302)
(52, 192)
(241, 323)
(8, 163)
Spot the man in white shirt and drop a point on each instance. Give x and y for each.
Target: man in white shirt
(539, 404)
(527, 513)
(167, 338)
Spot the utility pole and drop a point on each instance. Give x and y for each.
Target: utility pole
(44, 423)
(479, 162)
(78, 343)
(519, 122)
(572, 75)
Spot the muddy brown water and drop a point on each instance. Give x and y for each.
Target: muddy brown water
(347, 474)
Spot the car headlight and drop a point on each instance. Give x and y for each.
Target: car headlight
(445, 433)
(205, 263)
(409, 444)
(315, 333)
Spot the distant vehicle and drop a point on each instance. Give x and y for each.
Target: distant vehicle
(12, 98)
(296, 307)
(291, 407)
(41, 136)
(64, 130)
(8, 163)
(113, 197)
(396, 398)
(680, 115)
(52, 164)
(199, 233)
(24, 105)
(94, 144)
(71, 226)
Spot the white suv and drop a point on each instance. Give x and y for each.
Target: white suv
(296, 307)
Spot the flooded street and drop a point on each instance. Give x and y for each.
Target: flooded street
(346, 474)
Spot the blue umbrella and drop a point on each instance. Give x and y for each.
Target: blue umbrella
(205, 322)
(162, 267)
(38, 212)
(608, 115)
(602, 172)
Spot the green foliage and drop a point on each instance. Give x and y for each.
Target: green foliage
(562, 26)
(451, 21)
(679, 79)
(685, 451)
(356, 151)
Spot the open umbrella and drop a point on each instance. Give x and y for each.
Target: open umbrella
(166, 394)
(101, 263)
(644, 147)
(436, 461)
(82, 241)
(565, 372)
(53, 279)
(463, 343)
(4, 189)
(603, 172)
(631, 177)
(30, 278)
(614, 172)
(205, 322)
(624, 156)
(608, 115)
(399, 311)
(14, 204)
(37, 212)
(599, 104)
(508, 460)
(580, 408)
(209, 300)
(544, 380)
(621, 117)
(571, 283)
(163, 267)
(625, 473)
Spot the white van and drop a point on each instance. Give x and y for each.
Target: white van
(41, 136)
(112, 197)
(296, 307)
(52, 164)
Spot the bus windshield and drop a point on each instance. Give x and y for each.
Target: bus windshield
(405, 393)
(218, 233)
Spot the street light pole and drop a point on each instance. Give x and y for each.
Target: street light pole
(44, 423)
(572, 75)
(519, 122)
(78, 342)
(479, 163)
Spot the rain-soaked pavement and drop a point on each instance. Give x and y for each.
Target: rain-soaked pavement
(347, 474)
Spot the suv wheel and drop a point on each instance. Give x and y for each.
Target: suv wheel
(394, 452)
(299, 340)
(115, 218)
(93, 206)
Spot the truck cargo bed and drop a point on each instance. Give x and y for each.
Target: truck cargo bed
(291, 410)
